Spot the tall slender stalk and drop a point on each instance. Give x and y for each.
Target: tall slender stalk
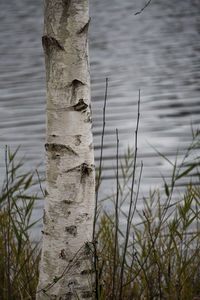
(137, 194)
(101, 157)
(116, 218)
(131, 201)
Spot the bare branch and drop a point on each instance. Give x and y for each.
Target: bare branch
(142, 9)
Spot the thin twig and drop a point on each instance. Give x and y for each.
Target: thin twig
(131, 201)
(101, 157)
(141, 10)
(137, 194)
(116, 217)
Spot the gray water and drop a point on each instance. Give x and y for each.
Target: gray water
(156, 51)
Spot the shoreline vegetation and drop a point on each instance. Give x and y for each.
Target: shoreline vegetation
(157, 257)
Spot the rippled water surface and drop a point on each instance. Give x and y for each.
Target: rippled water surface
(156, 51)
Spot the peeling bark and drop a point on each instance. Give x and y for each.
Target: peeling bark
(65, 268)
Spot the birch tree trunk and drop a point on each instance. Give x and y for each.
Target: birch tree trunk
(65, 267)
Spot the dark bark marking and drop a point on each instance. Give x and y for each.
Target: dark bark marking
(50, 43)
(72, 230)
(84, 29)
(76, 84)
(72, 283)
(78, 140)
(59, 148)
(85, 169)
(86, 272)
(91, 147)
(67, 4)
(45, 233)
(80, 106)
(62, 254)
(67, 201)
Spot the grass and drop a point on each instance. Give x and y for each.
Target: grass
(153, 253)
(19, 257)
(163, 254)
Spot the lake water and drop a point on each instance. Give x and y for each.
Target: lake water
(156, 51)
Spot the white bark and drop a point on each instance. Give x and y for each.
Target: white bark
(69, 203)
